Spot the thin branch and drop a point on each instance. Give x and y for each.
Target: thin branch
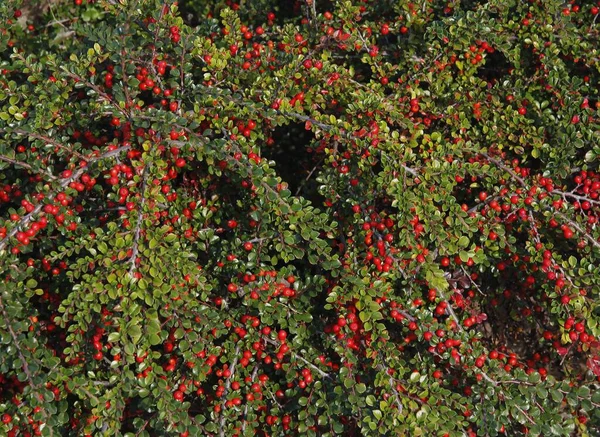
(304, 360)
(524, 414)
(138, 226)
(385, 369)
(579, 228)
(98, 91)
(309, 176)
(65, 182)
(26, 166)
(472, 281)
(521, 181)
(227, 387)
(252, 378)
(575, 196)
(328, 128)
(506, 169)
(47, 140)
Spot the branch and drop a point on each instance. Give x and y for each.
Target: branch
(521, 181)
(575, 196)
(304, 360)
(385, 369)
(138, 226)
(328, 128)
(98, 91)
(506, 169)
(579, 228)
(227, 387)
(65, 182)
(51, 141)
(26, 166)
(252, 378)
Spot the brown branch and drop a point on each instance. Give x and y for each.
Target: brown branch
(252, 378)
(328, 128)
(138, 226)
(507, 169)
(304, 360)
(65, 182)
(26, 166)
(227, 387)
(51, 141)
(575, 196)
(579, 228)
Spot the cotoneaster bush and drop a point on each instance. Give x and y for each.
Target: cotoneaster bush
(321, 218)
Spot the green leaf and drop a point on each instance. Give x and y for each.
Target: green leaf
(135, 332)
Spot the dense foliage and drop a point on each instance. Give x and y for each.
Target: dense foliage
(353, 217)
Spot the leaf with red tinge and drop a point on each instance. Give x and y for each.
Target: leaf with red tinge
(593, 364)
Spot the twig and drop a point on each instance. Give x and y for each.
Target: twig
(579, 228)
(304, 360)
(384, 368)
(138, 226)
(49, 140)
(472, 281)
(227, 387)
(328, 128)
(575, 196)
(309, 176)
(524, 414)
(98, 91)
(521, 181)
(26, 219)
(252, 378)
(506, 169)
(26, 166)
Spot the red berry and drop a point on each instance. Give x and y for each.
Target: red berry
(567, 232)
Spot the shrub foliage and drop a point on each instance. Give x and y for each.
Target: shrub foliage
(326, 218)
